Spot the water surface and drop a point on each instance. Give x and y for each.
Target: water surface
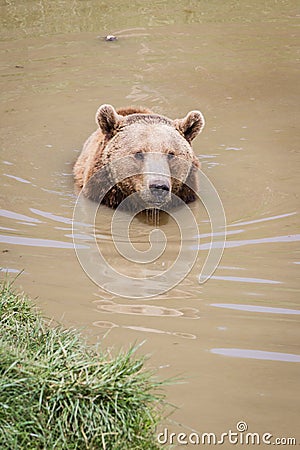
(236, 337)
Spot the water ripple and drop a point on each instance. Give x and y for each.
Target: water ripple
(245, 279)
(17, 178)
(35, 242)
(256, 354)
(255, 308)
(17, 216)
(265, 219)
(232, 244)
(51, 216)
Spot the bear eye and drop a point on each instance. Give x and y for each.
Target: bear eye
(139, 156)
(171, 155)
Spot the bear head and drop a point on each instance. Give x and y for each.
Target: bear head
(148, 155)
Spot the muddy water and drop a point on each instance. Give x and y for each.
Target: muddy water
(235, 339)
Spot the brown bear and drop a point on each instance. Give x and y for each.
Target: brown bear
(135, 151)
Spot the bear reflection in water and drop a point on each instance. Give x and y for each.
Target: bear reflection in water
(140, 159)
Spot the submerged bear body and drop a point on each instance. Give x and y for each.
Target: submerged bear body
(137, 152)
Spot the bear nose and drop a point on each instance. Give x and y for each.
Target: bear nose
(159, 190)
(162, 187)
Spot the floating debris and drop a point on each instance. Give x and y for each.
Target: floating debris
(119, 34)
(111, 37)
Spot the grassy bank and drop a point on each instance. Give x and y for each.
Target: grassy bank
(56, 392)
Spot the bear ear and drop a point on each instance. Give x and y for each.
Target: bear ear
(191, 125)
(107, 119)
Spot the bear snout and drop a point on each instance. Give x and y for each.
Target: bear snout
(160, 191)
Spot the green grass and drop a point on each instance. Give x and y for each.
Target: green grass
(57, 392)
